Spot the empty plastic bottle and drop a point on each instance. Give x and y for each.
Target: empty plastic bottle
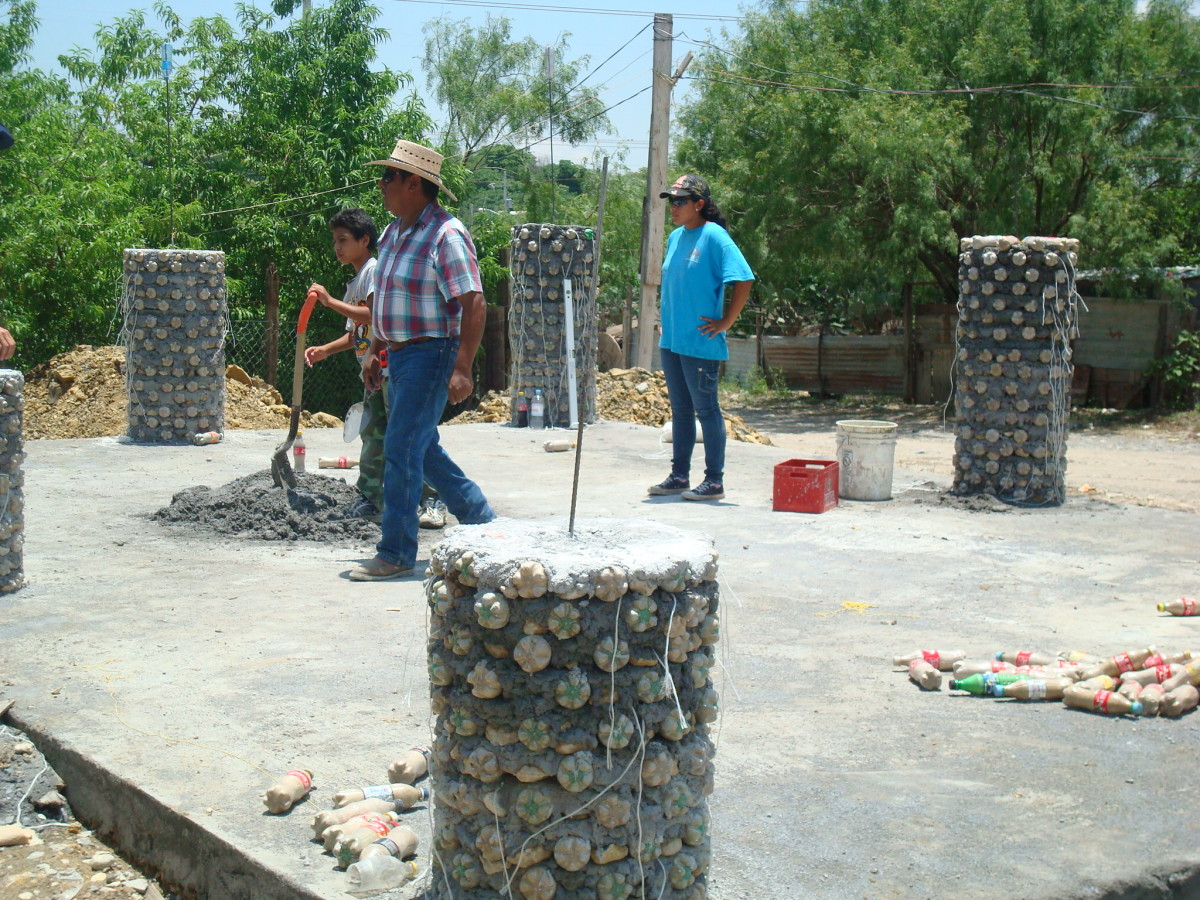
(1122, 662)
(1159, 659)
(943, 660)
(1033, 689)
(378, 823)
(1078, 657)
(352, 843)
(980, 684)
(1131, 689)
(330, 817)
(966, 669)
(408, 768)
(1106, 702)
(212, 437)
(337, 462)
(1151, 699)
(925, 675)
(405, 795)
(1098, 683)
(1026, 658)
(378, 873)
(537, 410)
(1184, 606)
(1178, 701)
(288, 790)
(400, 842)
(1155, 674)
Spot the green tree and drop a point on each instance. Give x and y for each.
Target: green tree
(822, 140)
(495, 89)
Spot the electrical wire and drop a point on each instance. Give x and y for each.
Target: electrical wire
(590, 10)
(596, 69)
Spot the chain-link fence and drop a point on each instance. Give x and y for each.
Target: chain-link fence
(330, 386)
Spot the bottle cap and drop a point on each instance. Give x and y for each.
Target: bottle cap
(999, 654)
(1136, 707)
(1161, 607)
(953, 685)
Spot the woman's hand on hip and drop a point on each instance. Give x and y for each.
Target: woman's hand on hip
(713, 327)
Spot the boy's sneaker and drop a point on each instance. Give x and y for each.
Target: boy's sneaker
(364, 509)
(432, 513)
(674, 484)
(705, 490)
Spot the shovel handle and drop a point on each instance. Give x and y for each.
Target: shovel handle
(305, 311)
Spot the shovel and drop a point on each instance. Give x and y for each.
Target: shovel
(281, 466)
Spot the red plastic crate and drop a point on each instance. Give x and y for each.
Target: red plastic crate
(806, 485)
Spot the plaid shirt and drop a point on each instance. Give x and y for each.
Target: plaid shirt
(418, 272)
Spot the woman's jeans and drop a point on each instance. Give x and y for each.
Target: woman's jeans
(418, 384)
(692, 387)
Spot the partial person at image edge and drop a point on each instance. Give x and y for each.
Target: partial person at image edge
(701, 260)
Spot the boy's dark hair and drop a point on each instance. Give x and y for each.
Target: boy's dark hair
(358, 223)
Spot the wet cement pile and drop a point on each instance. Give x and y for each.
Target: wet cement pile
(622, 395)
(82, 394)
(253, 507)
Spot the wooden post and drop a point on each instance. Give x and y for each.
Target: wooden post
(495, 344)
(653, 220)
(627, 329)
(910, 375)
(760, 353)
(272, 325)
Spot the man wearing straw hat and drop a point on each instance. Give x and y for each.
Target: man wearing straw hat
(429, 315)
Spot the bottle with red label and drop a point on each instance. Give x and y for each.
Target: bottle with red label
(1107, 703)
(1130, 661)
(1152, 675)
(404, 795)
(288, 791)
(299, 454)
(352, 843)
(1184, 606)
(1025, 657)
(334, 834)
(1189, 674)
(327, 818)
(924, 675)
(942, 660)
(966, 669)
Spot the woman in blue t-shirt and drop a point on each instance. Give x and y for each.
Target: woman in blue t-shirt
(701, 259)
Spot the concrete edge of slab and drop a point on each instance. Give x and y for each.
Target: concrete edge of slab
(187, 857)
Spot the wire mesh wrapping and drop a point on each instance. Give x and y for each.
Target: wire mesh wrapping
(12, 481)
(175, 323)
(543, 255)
(571, 683)
(1017, 316)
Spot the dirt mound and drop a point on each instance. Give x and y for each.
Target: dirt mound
(622, 395)
(251, 506)
(82, 394)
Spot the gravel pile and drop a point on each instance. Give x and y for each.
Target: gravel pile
(253, 507)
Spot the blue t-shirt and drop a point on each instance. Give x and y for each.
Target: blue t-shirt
(698, 265)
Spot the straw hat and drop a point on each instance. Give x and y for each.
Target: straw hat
(414, 158)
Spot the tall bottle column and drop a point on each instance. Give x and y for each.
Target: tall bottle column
(12, 481)
(175, 320)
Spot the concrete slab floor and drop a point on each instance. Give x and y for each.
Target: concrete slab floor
(167, 673)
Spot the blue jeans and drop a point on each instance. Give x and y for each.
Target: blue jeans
(692, 387)
(418, 383)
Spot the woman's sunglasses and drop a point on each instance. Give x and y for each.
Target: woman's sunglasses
(682, 201)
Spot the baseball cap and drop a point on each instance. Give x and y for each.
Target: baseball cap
(688, 186)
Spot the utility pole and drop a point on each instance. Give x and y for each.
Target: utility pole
(653, 225)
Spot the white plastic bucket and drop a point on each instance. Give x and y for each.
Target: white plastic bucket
(866, 452)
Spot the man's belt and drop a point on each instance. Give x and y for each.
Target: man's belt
(400, 345)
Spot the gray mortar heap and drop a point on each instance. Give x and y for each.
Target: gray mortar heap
(12, 481)
(1017, 315)
(175, 321)
(542, 257)
(572, 688)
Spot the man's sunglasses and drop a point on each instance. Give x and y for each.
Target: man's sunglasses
(682, 201)
(389, 176)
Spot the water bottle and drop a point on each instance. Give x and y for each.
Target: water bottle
(1025, 657)
(923, 674)
(298, 454)
(939, 659)
(1184, 606)
(212, 437)
(411, 765)
(522, 411)
(379, 873)
(537, 410)
(404, 795)
(288, 790)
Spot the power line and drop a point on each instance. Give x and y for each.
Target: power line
(539, 7)
(610, 56)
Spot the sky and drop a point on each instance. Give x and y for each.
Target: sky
(597, 30)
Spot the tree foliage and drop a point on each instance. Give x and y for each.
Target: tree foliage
(1050, 117)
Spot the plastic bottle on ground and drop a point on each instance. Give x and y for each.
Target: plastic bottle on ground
(1025, 657)
(378, 873)
(1079, 657)
(1184, 606)
(1178, 701)
(1158, 659)
(1098, 683)
(404, 795)
(1033, 689)
(1131, 689)
(980, 684)
(400, 842)
(1105, 702)
(352, 843)
(925, 675)
(537, 410)
(1122, 662)
(288, 790)
(1190, 674)
(1153, 675)
(329, 817)
(378, 822)
(966, 669)
(337, 462)
(1151, 699)
(409, 767)
(211, 437)
(943, 660)
(299, 454)
(522, 419)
